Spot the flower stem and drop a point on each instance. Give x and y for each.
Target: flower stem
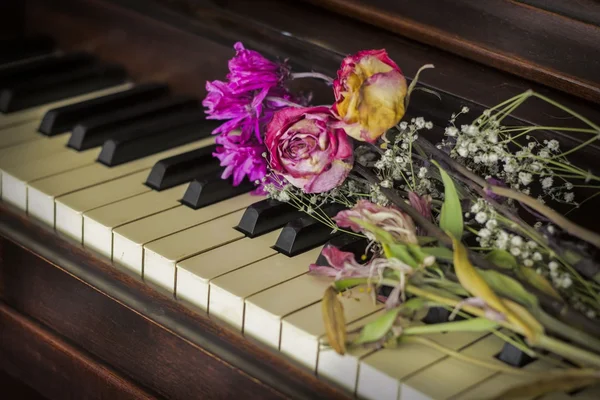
(574, 229)
(282, 101)
(567, 350)
(317, 75)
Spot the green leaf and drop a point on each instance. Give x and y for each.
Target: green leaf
(423, 240)
(506, 286)
(440, 253)
(375, 330)
(467, 325)
(400, 251)
(451, 218)
(502, 259)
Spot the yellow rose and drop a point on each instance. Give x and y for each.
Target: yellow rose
(369, 93)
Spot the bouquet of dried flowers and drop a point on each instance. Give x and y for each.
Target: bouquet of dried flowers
(467, 222)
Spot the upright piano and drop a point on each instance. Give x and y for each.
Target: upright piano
(129, 270)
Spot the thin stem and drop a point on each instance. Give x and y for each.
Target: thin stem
(496, 366)
(575, 230)
(300, 75)
(580, 146)
(567, 110)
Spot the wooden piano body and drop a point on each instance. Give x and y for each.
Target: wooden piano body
(72, 325)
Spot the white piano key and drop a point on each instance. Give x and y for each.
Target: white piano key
(341, 369)
(453, 375)
(303, 331)
(69, 209)
(28, 152)
(161, 256)
(129, 239)
(15, 178)
(500, 382)
(13, 135)
(228, 292)
(195, 274)
(264, 311)
(43, 193)
(36, 113)
(98, 224)
(381, 373)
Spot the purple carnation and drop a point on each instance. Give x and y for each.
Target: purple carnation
(241, 157)
(249, 71)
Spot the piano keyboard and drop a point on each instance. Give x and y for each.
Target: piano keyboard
(125, 169)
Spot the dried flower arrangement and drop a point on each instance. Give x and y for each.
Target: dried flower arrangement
(466, 223)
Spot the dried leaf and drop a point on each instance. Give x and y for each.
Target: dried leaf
(525, 316)
(333, 317)
(451, 217)
(413, 84)
(506, 286)
(474, 283)
(376, 330)
(546, 385)
(502, 259)
(539, 281)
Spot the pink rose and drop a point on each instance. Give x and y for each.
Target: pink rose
(307, 150)
(369, 93)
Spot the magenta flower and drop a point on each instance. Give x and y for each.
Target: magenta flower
(342, 265)
(253, 92)
(250, 71)
(367, 217)
(241, 157)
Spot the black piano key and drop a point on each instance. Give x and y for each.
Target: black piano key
(154, 136)
(265, 216)
(347, 243)
(95, 131)
(211, 188)
(22, 48)
(58, 87)
(62, 119)
(305, 233)
(173, 171)
(513, 356)
(42, 68)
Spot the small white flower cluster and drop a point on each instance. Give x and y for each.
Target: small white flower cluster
(526, 252)
(396, 163)
(560, 279)
(486, 148)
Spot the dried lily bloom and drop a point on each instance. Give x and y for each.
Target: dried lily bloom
(372, 219)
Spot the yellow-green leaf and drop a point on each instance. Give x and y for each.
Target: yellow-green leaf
(467, 325)
(506, 286)
(538, 281)
(474, 283)
(333, 318)
(375, 330)
(451, 217)
(440, 253)
(502, 259)
(548, 384)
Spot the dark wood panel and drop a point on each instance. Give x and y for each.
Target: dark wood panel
(153, 340)
(545, 47)
(53, 367)
(587, 11)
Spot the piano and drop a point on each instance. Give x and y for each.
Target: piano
(130, 270)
